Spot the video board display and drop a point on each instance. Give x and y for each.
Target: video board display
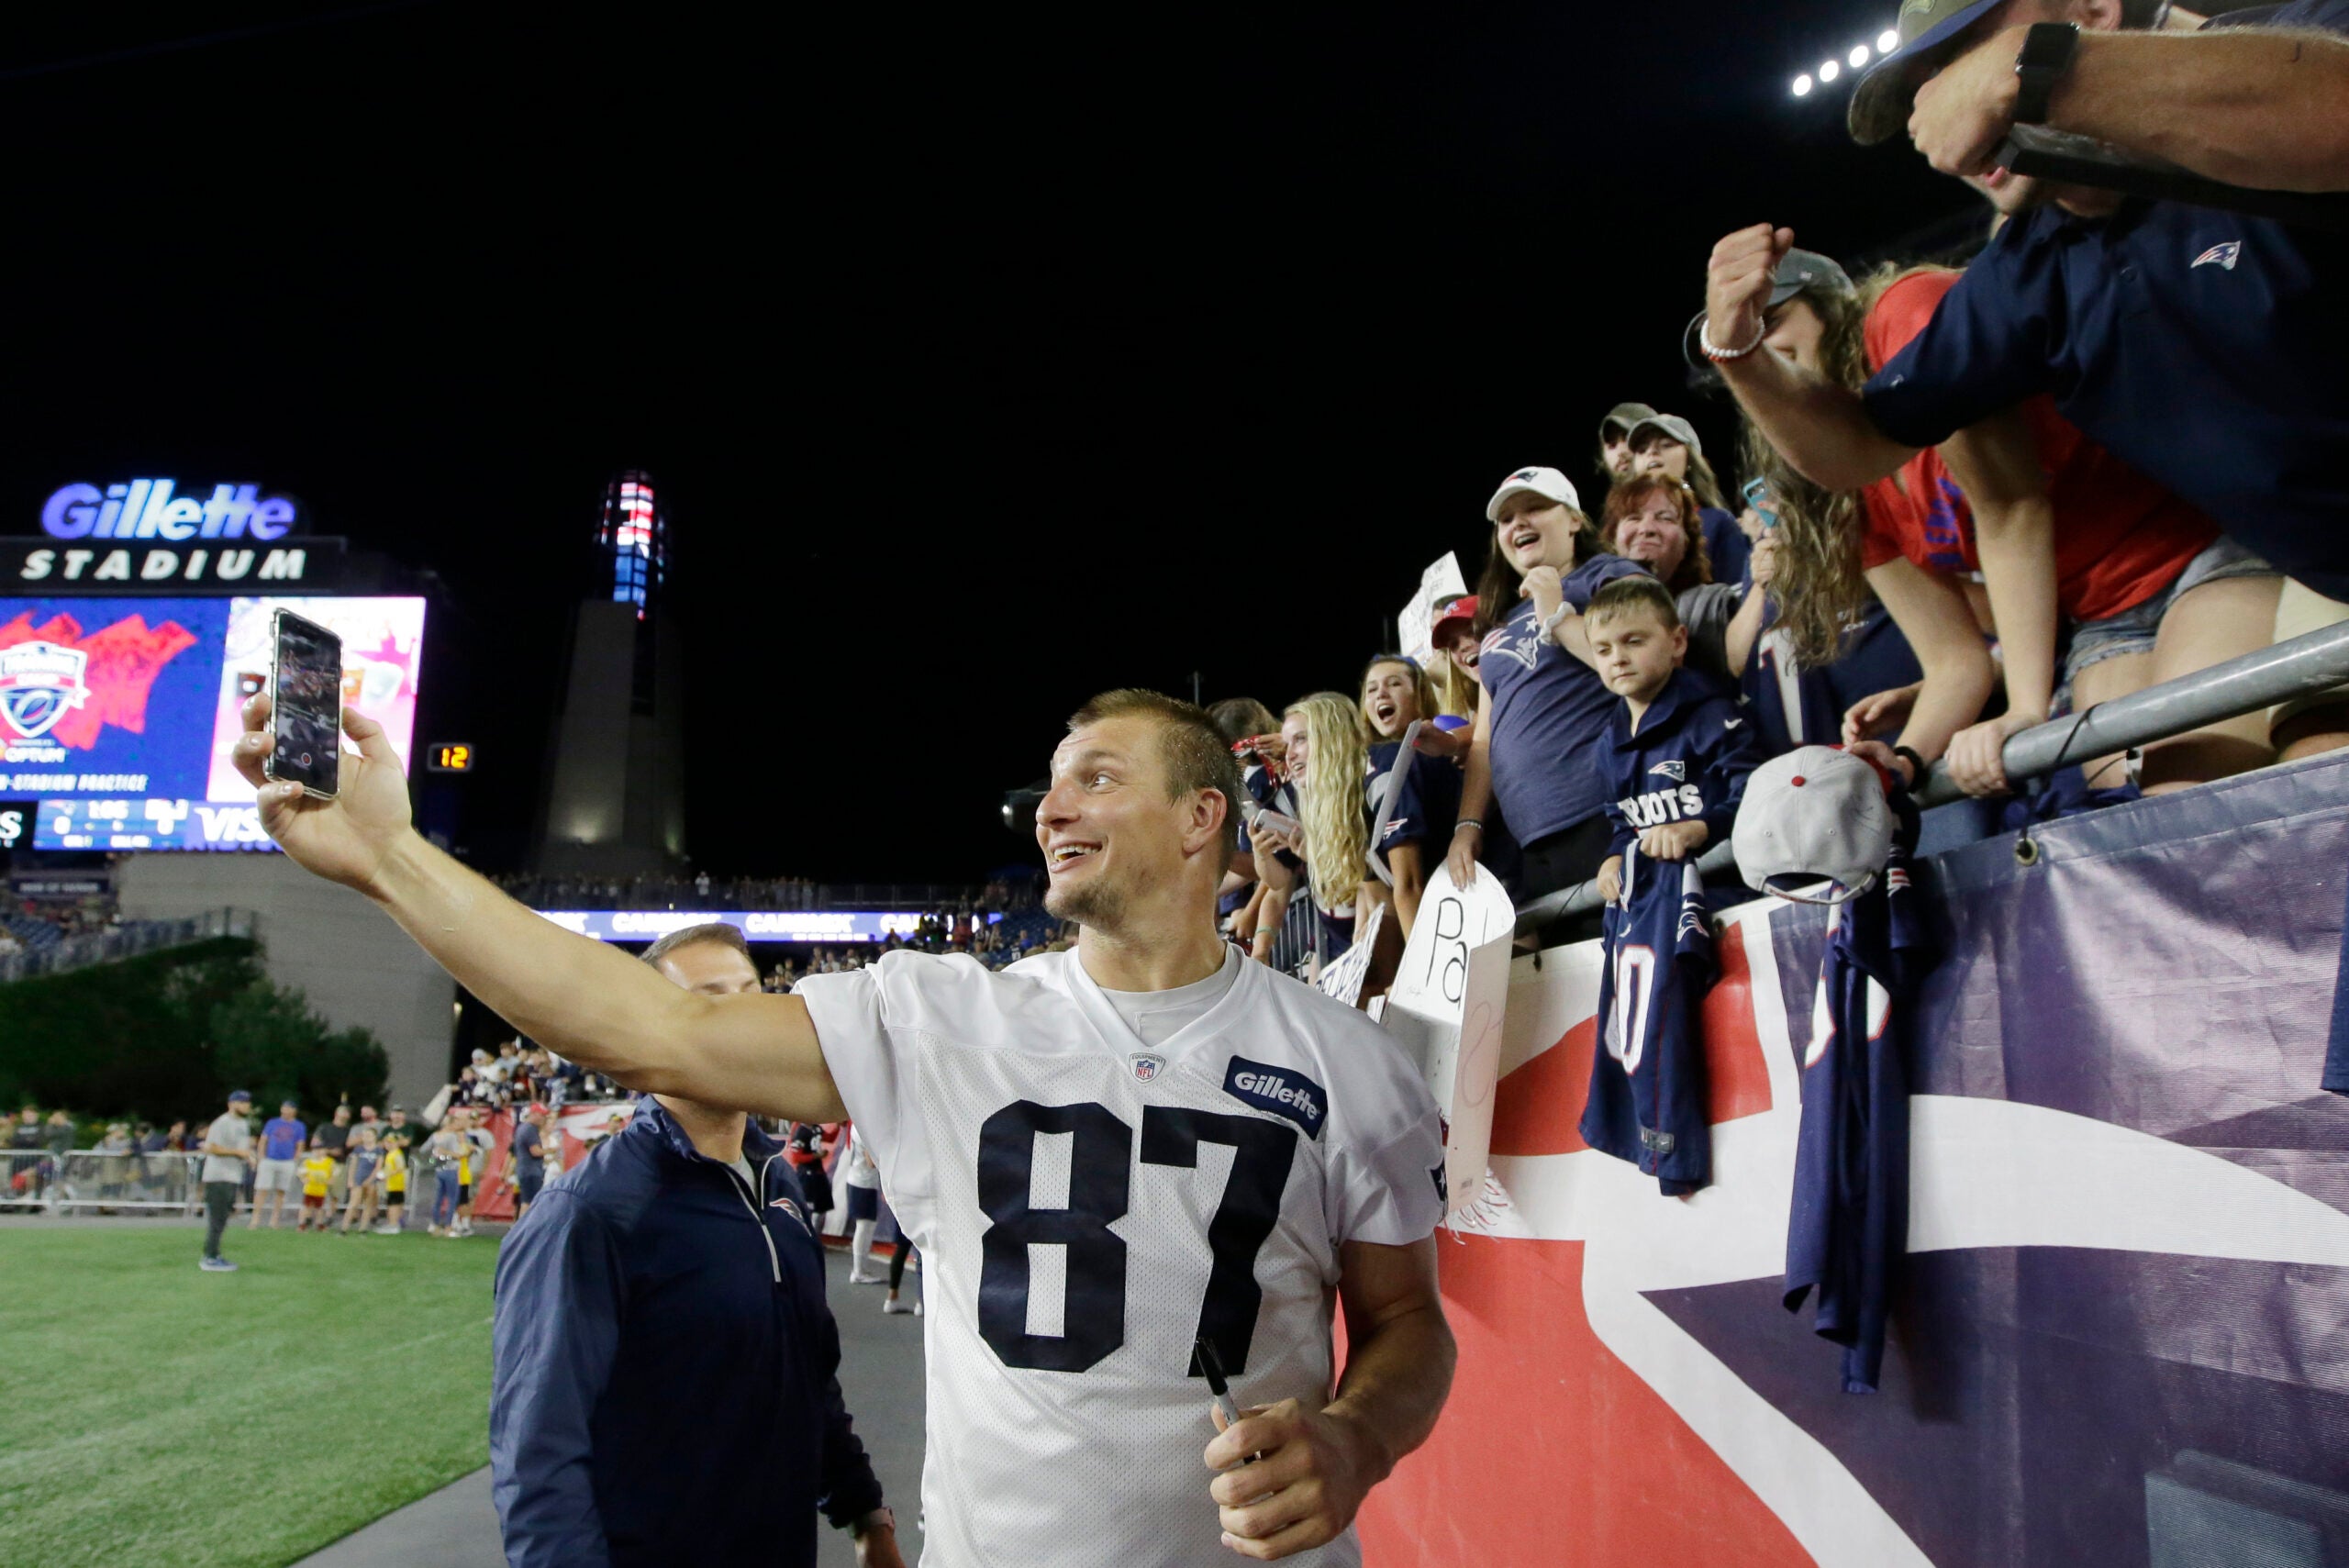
(115, 712)
(756, 925)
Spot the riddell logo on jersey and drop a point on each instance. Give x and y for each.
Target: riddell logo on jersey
(1280, 1090)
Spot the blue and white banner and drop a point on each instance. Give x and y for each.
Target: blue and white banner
(756, 925)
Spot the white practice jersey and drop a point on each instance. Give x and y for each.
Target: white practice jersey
(1086, 1205)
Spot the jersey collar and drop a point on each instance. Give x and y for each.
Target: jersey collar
(1111, 1024)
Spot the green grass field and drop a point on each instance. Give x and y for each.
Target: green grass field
(153, 1413)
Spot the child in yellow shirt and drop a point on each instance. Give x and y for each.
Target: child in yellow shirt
(317, 1175)
(394, 1175)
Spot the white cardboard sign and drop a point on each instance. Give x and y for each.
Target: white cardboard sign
(1445, 1007)
(1439, 584)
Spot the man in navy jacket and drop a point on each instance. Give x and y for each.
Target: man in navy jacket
(667, 1384)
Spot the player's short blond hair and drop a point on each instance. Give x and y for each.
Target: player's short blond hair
(1195, 753)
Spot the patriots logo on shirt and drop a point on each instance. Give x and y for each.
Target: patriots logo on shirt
(1146, 1068)
(791, 1210)
(2220, 255)
(1676, 770)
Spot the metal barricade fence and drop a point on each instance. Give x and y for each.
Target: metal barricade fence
(147, 1183)
(26, 1177)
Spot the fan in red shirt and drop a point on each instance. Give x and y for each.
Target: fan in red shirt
(2095, 581)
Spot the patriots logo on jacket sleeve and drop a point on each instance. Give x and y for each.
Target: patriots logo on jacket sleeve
(1674, 770)
(2224, 255)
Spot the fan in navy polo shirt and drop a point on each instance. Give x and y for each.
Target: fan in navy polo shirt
(2115, 307)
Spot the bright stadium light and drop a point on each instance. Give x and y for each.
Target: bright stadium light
(1829, 69)
(1859, 57)
(1802, 85)
(1889, 41)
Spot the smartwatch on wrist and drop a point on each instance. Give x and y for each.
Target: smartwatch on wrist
(2047, 51)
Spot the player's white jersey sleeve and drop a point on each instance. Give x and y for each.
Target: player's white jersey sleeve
(1387, 1150)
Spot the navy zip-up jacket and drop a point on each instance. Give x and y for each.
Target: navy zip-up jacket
(666, 1383)
(1689, 762)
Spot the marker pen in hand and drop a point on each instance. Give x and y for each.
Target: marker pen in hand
(1211, 1364)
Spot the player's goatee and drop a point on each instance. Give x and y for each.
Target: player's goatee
(1092, 904)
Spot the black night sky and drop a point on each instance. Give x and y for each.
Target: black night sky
(985, 359)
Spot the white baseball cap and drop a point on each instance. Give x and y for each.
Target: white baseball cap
(1546, 482)
(1817, 813)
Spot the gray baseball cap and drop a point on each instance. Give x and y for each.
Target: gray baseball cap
(1797, 270)
(1815, 815)
(1671, 425)
(1626, 415)
(1881, 101)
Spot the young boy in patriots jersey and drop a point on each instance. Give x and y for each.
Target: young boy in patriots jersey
(1677, 755)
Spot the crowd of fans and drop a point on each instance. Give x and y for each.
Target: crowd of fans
(1973, 500)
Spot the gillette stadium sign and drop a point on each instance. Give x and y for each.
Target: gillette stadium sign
(148, 508)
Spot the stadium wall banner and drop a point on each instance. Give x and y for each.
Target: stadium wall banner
(2120, 1332)
(122, 711)
(756, 925)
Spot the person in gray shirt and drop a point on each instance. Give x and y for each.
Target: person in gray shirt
(228, 1152)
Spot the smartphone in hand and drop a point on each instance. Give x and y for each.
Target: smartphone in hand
(305, 704)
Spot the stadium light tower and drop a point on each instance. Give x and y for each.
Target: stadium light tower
(614, 795)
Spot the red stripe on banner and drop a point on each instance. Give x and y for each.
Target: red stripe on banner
(1535, 1108)
(1553, 1451)
(1737, 1079)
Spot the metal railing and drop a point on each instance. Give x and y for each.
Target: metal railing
(131, 1183)
(82, 950)
(2305, 665)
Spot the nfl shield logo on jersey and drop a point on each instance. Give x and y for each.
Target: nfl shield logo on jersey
(38, 682)
(1146, 1068)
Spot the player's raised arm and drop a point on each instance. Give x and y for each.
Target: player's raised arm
(593, 1004)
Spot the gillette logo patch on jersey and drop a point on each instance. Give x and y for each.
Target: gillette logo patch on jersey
(1283, 1091)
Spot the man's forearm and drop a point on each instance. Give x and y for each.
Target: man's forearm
(1820, 427)
(2254, 106)
(598, 1006)
(1396, 1381)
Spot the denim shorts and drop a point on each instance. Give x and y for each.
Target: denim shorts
(2133, 630)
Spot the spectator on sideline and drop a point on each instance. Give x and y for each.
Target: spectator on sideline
(1667, 444)
(806, 1150)
(318, 1181)
(1534, 749)
(227, 1150)
(278, 1174)
(450, 1152)
(369, 1120)
(364, 1183)
(335, 1137)
(900, 1255)
(1395, 693)
(2077, 552)
(863, 1179)
(528, 1153)
(394, 1177)
(1653, 520)
(663, 1387)
(1615, 460)
(2112, 307)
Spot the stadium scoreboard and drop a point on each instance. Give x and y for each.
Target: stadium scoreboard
(143, 626)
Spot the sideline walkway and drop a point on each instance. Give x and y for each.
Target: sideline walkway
(881, 1372)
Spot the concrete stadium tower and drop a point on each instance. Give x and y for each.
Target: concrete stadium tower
(614, 800)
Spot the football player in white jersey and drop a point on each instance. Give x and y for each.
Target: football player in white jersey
(1105, 1155)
